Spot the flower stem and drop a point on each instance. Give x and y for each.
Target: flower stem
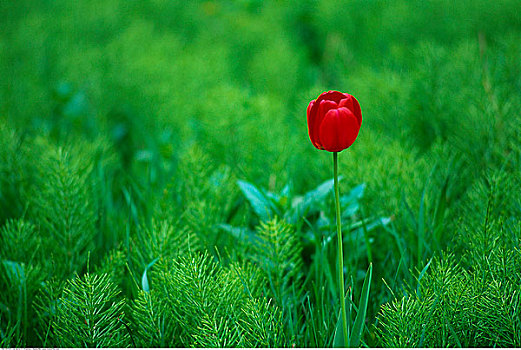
(340, 250)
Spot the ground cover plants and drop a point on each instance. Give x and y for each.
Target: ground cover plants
(158, 187)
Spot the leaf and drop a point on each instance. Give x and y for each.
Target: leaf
(370, 223)
(144, 279)
(276, 202)
(422, 273)
(286, 191)
(259, 202)
(349, 202)
(358, 327)
(339, 341)
(15, 271)
(240, 233)
(301, 205)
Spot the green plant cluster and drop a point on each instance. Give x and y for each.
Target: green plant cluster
(468, 299)
(158, 188)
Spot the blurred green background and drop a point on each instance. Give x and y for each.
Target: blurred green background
(143, 90)
(235, 77)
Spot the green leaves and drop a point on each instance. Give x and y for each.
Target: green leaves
(358, 326)
(64, 206)
(350, 201)
(152, 320)
(90, 314)
(261, 203)
(19, 241)
(355, 329)
(278, 253)
(196, 301)
(302, 205)
(296, 208)
(14, 173)
(144, 278)
(20, 277)
(453, 305)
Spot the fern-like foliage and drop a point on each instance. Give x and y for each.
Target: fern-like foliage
(203, 197)
(13, 173)
(90, 314)
(262, 325)
(64, 208)
(162, 239)
(472, 300)
(19, 241)
(492, 208)
(20, 276)
(425, 319)
(114, 265)
(45, 305)
(279, 255)
(153, 320)
(218, 332)
(196, 301)
(197, 286)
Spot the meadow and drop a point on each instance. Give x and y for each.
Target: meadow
(158, 187)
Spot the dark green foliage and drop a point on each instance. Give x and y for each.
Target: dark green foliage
(456, 307)
(20, 275)
(114, 264)
(195, 301)
(202, 198)
(199, 287)
(63, 205)
(278, 254)
(13, 174)
(163, 240)
(475, 302)
(262, 325)
(20, 242)
(46, 305)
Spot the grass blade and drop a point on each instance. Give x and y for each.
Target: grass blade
(358, 327)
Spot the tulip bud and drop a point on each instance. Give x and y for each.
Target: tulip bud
(334, 120)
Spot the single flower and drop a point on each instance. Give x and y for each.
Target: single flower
(334, 120)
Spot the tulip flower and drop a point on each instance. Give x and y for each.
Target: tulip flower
(334, 120)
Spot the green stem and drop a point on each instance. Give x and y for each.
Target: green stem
(340, 250)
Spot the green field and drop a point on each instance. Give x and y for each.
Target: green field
(158, 187)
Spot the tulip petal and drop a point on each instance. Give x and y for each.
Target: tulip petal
(310, 106)
(323, 108)
(315, 118)
(338, 129)
(351, 103)
(347, 103)
(312, 113)
(334, 96)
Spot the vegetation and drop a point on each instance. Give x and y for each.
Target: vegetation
(158, 187)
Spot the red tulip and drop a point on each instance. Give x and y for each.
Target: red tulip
(334, 120)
